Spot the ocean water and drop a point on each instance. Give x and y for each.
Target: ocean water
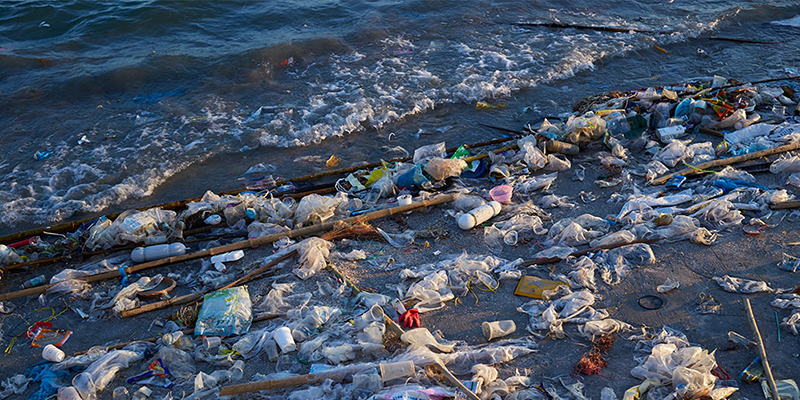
(136, 103)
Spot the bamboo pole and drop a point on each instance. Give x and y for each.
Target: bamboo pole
(69, 226)
(241, 245)
(727, 161)
(712, 132)
(280, 383)
(552, 260)
(198, 296)
(763, 352)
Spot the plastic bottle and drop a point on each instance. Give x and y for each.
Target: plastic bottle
(479, 215)
(33, 282)
(150, 253)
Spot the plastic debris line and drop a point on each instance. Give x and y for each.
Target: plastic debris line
(316, 324)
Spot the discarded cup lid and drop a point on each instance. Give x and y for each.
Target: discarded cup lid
(166, 286)
(651, 302)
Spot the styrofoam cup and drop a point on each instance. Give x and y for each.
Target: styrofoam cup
(394, 370)
(404, 200)
(283, 336)
(496, 329)
(53, 353)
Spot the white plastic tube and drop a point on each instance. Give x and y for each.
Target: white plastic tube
(479, 215)
(157, 252)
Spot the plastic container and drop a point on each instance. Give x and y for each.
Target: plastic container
(230, 256)
(557, 146)
(496, 329)
(396, 370)
(157, 252)
(237, 370)
(479, 215)
(502, 193)
(271, 348)
(170, 338)
(53, 353)
(210, 342)
(671, 132)
(283, 337)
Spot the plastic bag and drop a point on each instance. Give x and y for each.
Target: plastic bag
(433, 150)
(528, 184)
(557, 162)
(673, 153)
(440, 169)
(531, 154)
(225, 312)
(259, 229)
(553, 201)
(739, 285)
(314, 253)
(570, 235)
(8, 256)
(613, 239)
(314, 209)
(720, 214)
(583, 129)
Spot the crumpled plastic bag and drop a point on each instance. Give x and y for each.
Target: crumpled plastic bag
(583, 129)
(720, 214)
(554, 201)
(431, 292)
(557, 162)
(281, 299)
(15, 384)
(527, 184)
(684, 227)
(673, 153)
(791, 322)
(314, 253)
(8, 256)
(594, 329)
(614, 264)
(531, 154)
(152, 226)
(739, 285)
(225, 312)
(551, 315)
(126, 298)
(314, 209)
(571, 235)
(440, 169)
(687, 368)
(613, 239)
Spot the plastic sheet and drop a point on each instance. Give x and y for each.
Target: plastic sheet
(790, 322)
(615, 263)
(673, 153)
(720, 214)
(15, 384)
(529, 184)
(433, 150)
(100, 373)
(575, 307)
(225, 312)
(531, 154)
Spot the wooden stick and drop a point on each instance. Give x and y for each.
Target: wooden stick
(198, 296)
(763, 352)
(785, 205)
(552, 260)
(69, 226)
(712, 132)
(309, 379)
(455, 381)
(742, 40)
(310, 230)
(187, 331)
(558, 25)
(727, 161)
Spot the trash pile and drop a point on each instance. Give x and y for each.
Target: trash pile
(324, 337)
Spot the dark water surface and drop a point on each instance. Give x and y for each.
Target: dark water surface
(175, 98)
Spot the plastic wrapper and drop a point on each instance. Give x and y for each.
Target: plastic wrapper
(225, 312)
(313, 318)
(431, 292)
(314, 209)
(684, 227)
(15, 384)
(583, 273)
(425, 152)
(259, 229)
(8, 256)
(739, 285)
(126, 298)
(314, 253)
(560, 252)
(788, 300)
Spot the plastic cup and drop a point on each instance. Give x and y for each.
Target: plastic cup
(496, 329)
(171, 338)
(511, 238)
(395, 370)
(502, 193)
(283, 336)
(211, 342)
(404, 200)
(53, 353)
